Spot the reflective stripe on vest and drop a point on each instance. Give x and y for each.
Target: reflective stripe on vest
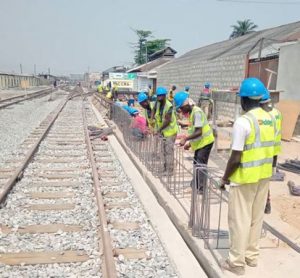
(257, 156)
(172, 128)
(207, 136)
(278, 120)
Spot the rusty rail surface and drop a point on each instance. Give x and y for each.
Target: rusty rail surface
(109, 263)
(17, 99)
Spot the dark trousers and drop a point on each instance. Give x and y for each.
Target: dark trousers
(201, 157)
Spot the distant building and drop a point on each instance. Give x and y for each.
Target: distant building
(147, 73)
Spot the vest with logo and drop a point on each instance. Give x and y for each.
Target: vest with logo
(172, 128)
(257, 157)
(207, 136)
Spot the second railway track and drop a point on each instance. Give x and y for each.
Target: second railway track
(50, 225)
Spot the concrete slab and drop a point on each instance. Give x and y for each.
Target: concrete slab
(182, 258)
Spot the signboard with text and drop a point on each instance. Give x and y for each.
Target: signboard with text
(122, 75)
(122, 83)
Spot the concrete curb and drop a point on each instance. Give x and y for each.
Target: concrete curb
(174, 211)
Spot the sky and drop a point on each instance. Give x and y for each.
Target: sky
(76, 36)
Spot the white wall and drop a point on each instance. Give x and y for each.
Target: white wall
(288, 78)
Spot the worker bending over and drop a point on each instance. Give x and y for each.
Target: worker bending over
(148, 106)
(166, 125)
(171, 93)
(200, 135)
(249, 169)
(266, 104)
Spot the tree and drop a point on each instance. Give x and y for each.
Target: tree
(145, 47)
(242, 28)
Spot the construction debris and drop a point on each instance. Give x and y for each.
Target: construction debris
(292, 165)
(294, 189)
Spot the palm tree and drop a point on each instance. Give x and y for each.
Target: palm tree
(242, 28)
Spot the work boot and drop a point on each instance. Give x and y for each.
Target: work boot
(250, 263)
(268, 207)
(238, 270)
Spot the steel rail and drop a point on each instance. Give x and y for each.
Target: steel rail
(109, 270)
(17, 99)
(18, 172)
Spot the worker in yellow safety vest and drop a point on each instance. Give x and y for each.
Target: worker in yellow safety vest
(165, 125)
(248, 170)
(200, 136)
(266, 104)
(148, 106)
(171, 93)
(100, 89)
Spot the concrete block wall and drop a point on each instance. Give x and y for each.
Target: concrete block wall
(222, 73)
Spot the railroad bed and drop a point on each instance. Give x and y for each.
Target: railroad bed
(50, 222)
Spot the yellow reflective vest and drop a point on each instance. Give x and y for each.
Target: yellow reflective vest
(257, 157)
(207, 136)
(277, 117)
(172, 128)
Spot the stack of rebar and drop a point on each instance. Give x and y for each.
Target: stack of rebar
(292, 165)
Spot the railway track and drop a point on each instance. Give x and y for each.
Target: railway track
(68, 208)
(17, 99)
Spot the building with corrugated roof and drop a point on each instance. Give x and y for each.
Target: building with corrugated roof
(225, 64)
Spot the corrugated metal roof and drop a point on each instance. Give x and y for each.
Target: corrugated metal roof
(244, 44)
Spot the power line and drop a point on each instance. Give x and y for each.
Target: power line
(263, 2)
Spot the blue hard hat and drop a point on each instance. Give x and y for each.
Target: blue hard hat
(252, 88)
(180, 98)
(207, 85)
(266, 97)
(142, 97)
(160, 91)
(132, 111)
(126, 107)
(187, 88)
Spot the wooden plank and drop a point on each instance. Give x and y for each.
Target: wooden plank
(116, 194)
(118, 205)
(290, 110)
(38, 229)
(32, 258)
(131, 253)
(44, 207)
(63, 169)
(58, 160)
(57, 176)
(6, 170)
(127, 226)
(51, 195)
(55, 184)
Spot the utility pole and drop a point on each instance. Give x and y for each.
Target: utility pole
(48, 71)
(21, 69)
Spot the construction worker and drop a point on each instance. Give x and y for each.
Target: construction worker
(200, 135)
(266, 104)
(187, 89)
(171, 93)
(249, 169)
(100, 89)
(166, 125)
(150, 92)
(138, 124)
(143, 100)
